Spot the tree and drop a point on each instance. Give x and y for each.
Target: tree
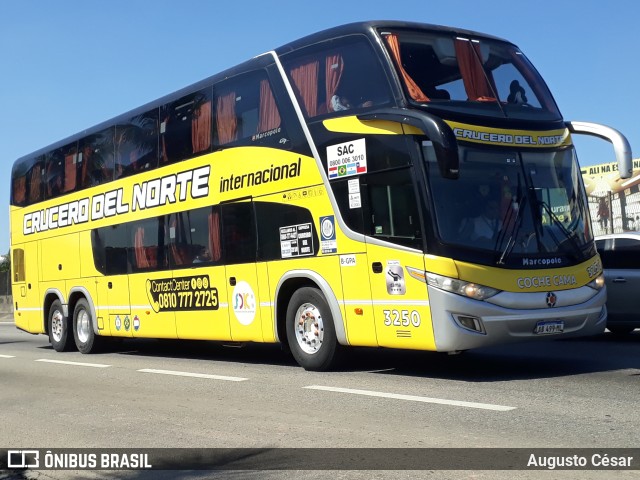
(5, 263)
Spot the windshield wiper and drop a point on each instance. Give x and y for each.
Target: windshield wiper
(521, 202)
(567, 234)
(515, 229)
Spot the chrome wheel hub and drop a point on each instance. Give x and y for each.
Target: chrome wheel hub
(83, 325)
(309, 328)
(56, 325)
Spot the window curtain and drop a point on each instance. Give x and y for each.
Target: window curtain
(414, 90)
(201, 127)
(226, 121)
(19, 190)
(35, 179)
(53, 180)
(305, 78)
(139, 249)
(269, 115)
(177, 248)
(214, 236)
(475, 83)
(70, 173)
(334, 69)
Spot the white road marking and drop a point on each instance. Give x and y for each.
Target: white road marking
(79, 364)
(413, 398)
(7, 323)
(7, 356)
(196, 375)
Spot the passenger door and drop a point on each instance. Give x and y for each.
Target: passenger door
(111, 256)
(25, 286)
(239, 243)
(400, 301)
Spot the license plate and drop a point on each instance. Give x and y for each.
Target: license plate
(548, 328)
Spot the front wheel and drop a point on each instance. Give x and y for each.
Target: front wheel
(59, 328)
(311, 333)
(86, 339)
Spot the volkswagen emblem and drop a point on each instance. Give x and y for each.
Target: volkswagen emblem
(551, 299)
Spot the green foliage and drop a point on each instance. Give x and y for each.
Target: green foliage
(5, 263)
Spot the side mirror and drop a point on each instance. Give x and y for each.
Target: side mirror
(436, 129)
(620, 143)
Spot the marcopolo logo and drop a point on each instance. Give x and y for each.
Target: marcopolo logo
(244, 303)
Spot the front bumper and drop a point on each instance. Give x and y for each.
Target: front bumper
(506, 325)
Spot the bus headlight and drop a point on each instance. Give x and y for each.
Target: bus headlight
(466, 289)
(597, 283)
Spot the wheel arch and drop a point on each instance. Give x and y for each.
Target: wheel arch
(76, 294)
(50, 296)
(292, 281)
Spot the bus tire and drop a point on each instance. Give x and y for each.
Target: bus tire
(59, 331)
(86, 339)
(311, 333)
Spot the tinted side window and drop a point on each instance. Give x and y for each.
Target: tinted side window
(186, 127)
(194, 237)
(619, 253)
(246, 113)
(285, 231)
(330, 78)
(238, 233)
(111, 247)
(18, 189)
(149, 244)
(97, 158)
(26, 183)
(610, 259)
(627, 252)
(351, 214)
(61, 170)
(627, 244)
(391, 207)
(136, 144)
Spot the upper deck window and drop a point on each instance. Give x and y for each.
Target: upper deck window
(185, 127)
(478, 77)
(245, 112)
(336, 76)
(26, 181)
(136, 144)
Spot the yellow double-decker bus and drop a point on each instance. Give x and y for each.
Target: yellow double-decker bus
(380, 184)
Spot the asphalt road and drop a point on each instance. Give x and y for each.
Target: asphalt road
(147, 394)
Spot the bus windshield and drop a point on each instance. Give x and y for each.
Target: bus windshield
(478, 77)
(513, 203)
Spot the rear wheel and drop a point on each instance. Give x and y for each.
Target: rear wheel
(59, 331)
(311, 333)
(86, 339)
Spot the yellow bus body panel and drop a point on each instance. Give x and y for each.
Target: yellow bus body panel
(401, 304)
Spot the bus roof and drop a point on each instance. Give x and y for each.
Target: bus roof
(369, 26)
